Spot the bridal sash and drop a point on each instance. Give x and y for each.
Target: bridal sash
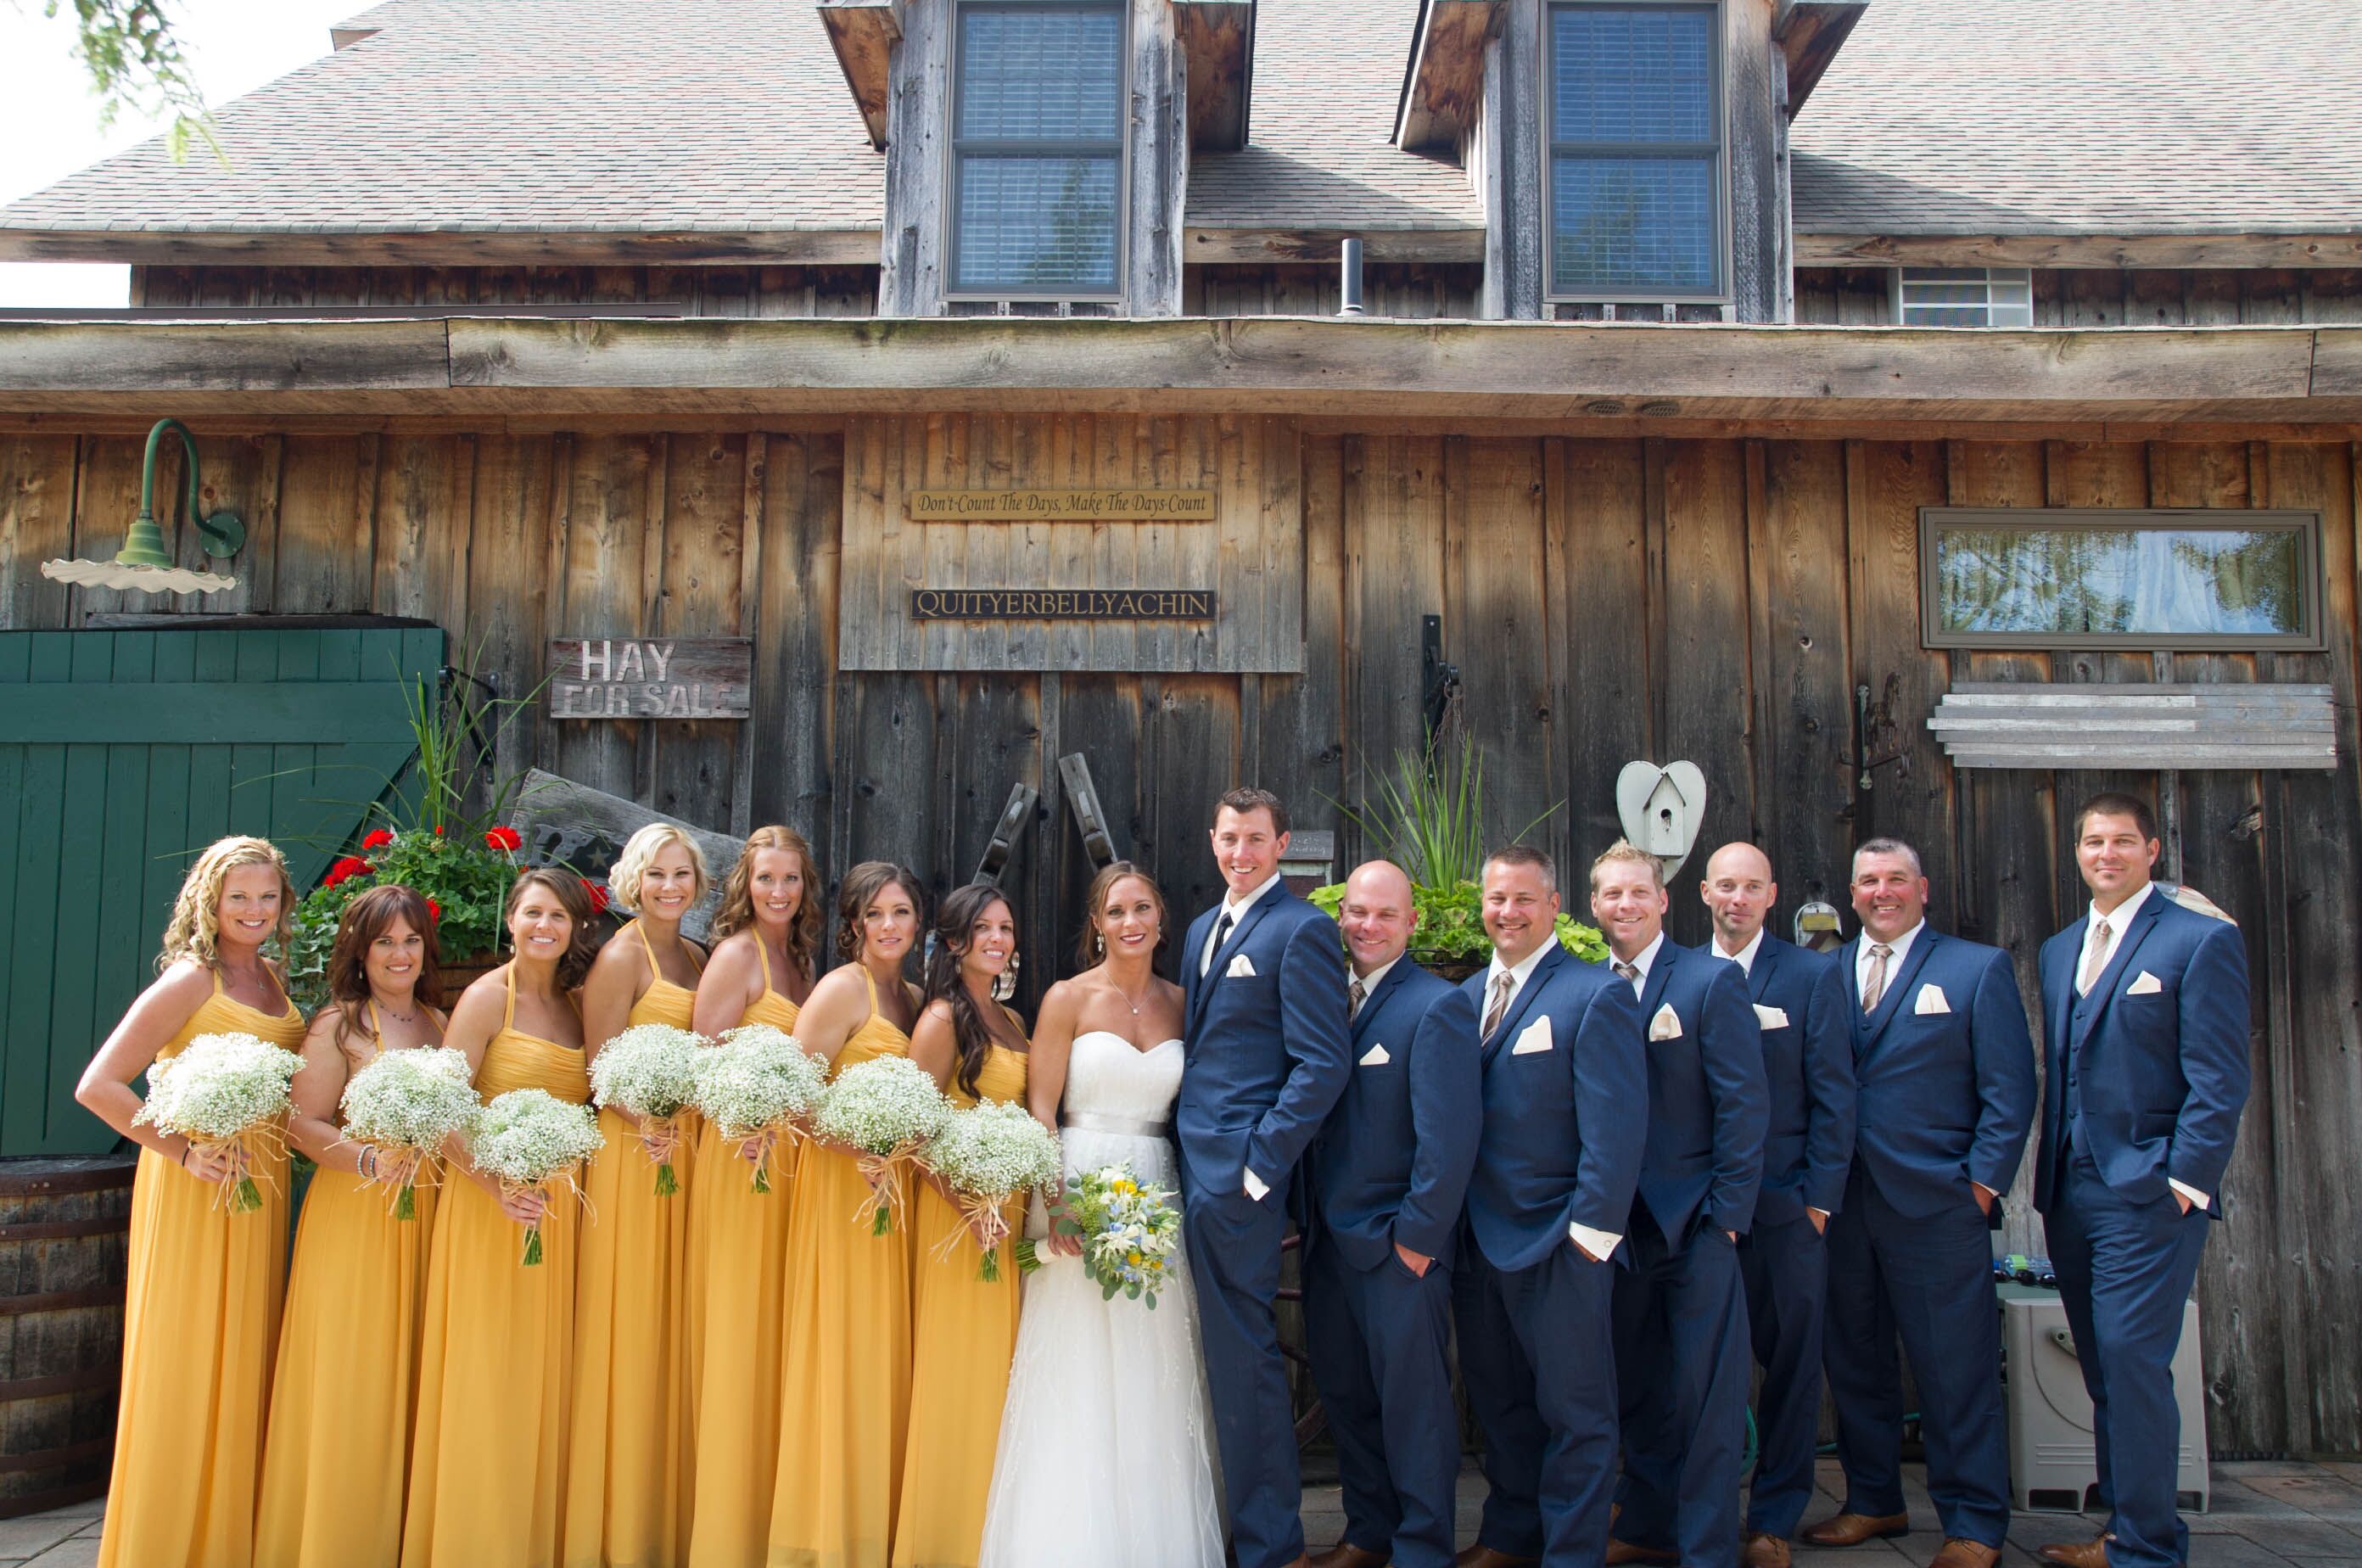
(1122, 1125)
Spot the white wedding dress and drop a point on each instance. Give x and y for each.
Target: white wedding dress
(1107, 1441)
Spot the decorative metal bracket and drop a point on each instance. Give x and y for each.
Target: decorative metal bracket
(1878, 736)
(1438, 683)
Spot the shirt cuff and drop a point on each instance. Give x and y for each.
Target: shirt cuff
(2197, 1198)
(1600, 1245)
(1255, 1188)
(1822, 1212)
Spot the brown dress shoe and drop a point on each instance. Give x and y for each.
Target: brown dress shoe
(2092, 1553)
(1853, 1530)
(1345, 1554)
(1765, 1551)
(1959, 1554)
(1621, 1552)
(1483, 1556)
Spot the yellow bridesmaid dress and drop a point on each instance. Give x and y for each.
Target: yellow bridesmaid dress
(738, 1251)
(496, 1352)
(845, 1377)
(624, 1460)
(200, 1330)
(964, 1336)
(347, 1388)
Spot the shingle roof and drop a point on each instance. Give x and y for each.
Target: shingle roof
(2095, 117)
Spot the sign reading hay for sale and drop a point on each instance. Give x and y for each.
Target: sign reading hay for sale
(679, 679)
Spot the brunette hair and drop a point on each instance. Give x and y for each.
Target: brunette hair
(569, 889)
(366, 919)
(954, 929)
(1248, 799)
(863, 883)
(624, 876)
(737, 911)
(1526, 854)
(2115, 804)
(194, 930)
(1091, 947)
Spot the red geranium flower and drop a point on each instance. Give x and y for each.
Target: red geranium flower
(350, 865)
(439, 832)
(377, 840)
(504, 838)
(434, 911)
(598, 896)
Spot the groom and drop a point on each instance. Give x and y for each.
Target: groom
(1265, 1058)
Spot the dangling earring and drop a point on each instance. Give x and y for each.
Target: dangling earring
(1004, 984)
(1099, 944)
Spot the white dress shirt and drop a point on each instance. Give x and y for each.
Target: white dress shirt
(1745, 956)
(2120, 920)
(1598, 1243)
(1641, 962)
(1256, 1187)
(1863, 958)
(1374, 980)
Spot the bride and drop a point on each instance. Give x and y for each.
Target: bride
(1105, 1451)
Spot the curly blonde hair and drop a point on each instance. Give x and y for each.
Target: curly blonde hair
(639, 850)
(195, 931)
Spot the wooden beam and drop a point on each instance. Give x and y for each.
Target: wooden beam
(2077, 250)
(863, 33)
(578, 247)
(195, 357)
(1217, 40)
(1810, 33)
(1444, 82)
(1216, 247)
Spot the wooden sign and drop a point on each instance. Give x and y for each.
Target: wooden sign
(1061, 604)
(650, 677)
(1059, 506)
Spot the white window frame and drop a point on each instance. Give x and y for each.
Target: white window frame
(954, 148)
(2008, 301)
(1719, 146)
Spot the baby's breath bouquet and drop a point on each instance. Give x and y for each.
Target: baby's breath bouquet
(1129, 1231)
(756, 1085)
(407, 1102)
(886, 1110)
(987, 1154)
(532, 1140)
(650, 1070)
(225, 1092)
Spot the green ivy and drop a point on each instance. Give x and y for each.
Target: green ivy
(1451, 925)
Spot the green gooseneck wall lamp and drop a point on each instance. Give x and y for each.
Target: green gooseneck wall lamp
(144, 562)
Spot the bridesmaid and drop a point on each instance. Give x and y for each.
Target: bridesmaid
(765, 937)
(347, 1381)
(964, 1329)
(846, 1364)
(201, 1314)
(625, 1461)
(496, 1343)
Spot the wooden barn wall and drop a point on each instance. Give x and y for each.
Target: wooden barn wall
(733, 290)
(2147, 296)
(1604, 600)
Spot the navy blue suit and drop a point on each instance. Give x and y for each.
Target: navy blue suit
(1264, 1059)
(1680, 1313)
(1943, 1087)
(1566, 1113)
(1391, 1165)
(1800, 1005)
(2148, 1076)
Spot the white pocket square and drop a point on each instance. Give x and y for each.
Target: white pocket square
(1535, 1036)
(1240, 966)
(1376, 1056)
(1667, 1024)
(1931, 999)
(1771, 1017)
(2147, 985)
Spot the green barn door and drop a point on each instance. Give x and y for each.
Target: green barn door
(122, 755)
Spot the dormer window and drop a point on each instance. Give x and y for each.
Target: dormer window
(1635, 178)
(1037, 149)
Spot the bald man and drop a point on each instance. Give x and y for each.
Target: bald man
(1800, 1013)
(1388, 1171)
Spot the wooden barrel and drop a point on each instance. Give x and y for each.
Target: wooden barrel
(64, 1224)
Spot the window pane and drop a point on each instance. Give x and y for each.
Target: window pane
(1636, 223)
(1049, 75)
(1631, 75)
(1036, 223)
(2138, 583)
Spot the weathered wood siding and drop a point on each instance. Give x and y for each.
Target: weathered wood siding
(1605, 600)
(697, 291)
(1862, 296)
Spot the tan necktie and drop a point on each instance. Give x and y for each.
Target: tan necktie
(2097, 962)
(1502, 983)
(1630, 971)
(1875, 987)
(1354, 996)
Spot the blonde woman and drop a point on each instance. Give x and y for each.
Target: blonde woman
(627, 1459)
(765, 941)
(201, 1314)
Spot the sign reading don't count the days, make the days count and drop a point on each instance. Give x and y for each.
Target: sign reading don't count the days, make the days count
(650, 677)
(1100, 504)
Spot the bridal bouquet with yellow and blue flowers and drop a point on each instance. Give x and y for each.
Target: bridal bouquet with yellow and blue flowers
(1128, 1231)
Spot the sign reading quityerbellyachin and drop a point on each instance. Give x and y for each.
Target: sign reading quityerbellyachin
(1059, 506)
(650, 677)
(1061, 604)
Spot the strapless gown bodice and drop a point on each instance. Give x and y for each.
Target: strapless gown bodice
(1107, 1076)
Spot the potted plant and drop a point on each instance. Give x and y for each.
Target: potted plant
(1428, 819)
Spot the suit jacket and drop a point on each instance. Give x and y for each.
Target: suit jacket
(1563, 1126)
(1264, 1054)
(1808, 1066)
(1943, 1098)
(1708, 1102)
(1392, 1162)
(2161, 1075)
